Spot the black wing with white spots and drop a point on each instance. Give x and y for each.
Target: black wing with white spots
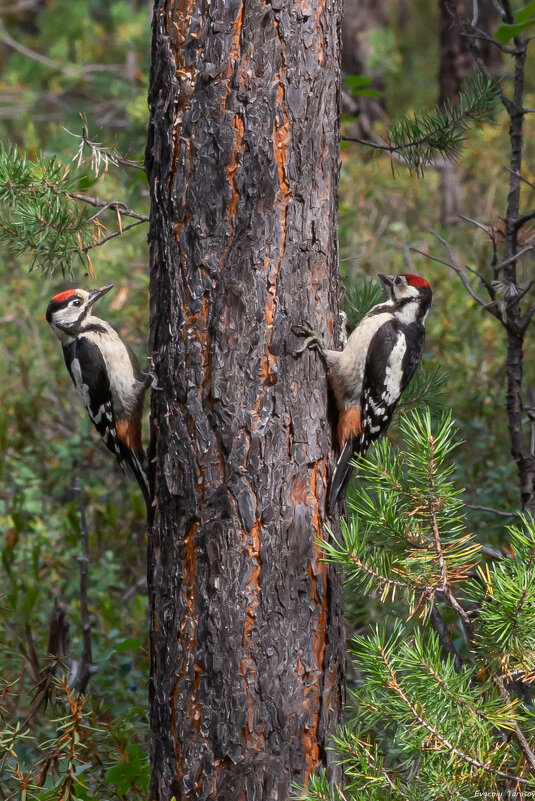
(394, 354)
(89, 368)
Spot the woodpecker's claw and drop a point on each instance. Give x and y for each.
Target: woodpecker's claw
(150, 377)
(312, 339)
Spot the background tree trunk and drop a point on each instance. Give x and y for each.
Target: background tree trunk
(457, 64)
(247, 637)
(359, 18)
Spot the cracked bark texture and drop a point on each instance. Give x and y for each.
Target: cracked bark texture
(247, 640)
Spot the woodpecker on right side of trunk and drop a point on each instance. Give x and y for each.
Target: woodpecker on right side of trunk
(369, 375)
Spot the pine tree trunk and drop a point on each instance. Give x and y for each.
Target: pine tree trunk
(247, 635)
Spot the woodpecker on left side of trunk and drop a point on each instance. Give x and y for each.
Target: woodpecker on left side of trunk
(106, 373)
(369, 375)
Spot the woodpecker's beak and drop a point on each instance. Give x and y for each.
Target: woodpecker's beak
(95, 294)
(388, 280)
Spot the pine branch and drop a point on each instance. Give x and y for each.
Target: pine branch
(425, 389)
(519, 734)
(419, 718)
(421, 137)
(434, 504)
(100, 156)
(42, 213)
(361, 295)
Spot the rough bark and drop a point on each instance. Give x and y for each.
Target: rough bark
(246, 627)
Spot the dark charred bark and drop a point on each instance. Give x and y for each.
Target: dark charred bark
(247, 636)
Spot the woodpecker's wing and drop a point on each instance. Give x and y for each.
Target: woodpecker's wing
(89, 373)
(69, 352)
(394, 354)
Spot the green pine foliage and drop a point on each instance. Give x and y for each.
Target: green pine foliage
(361, 295)
(440, 703)
(39, 216)
(425, 135)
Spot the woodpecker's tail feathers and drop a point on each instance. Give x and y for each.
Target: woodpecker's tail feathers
(341, 475)
(134, 462)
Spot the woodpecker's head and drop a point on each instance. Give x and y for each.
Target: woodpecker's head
(410, 295)
(68, 311)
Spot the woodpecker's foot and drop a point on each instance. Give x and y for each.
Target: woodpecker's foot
(312, 339)
(150, 376)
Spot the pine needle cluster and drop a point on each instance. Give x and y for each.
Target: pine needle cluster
(38, 215)
(440, 707)
(421, 137)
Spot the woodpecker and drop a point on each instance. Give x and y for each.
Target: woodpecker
(369, 375)
(106, 373)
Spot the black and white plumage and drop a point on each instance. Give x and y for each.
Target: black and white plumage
(106, 373)
(369, 375)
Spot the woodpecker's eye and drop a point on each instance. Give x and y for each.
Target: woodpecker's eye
(76, 303)
(399, 280)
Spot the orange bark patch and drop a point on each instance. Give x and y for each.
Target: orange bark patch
(318, 577)
(232, 166)
(320, 25)
(282, 140)
(349, 425)
(299, 491)
(281, 143)
(129, 432)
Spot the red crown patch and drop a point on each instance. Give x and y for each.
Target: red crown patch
(416, 280)
(61, 296)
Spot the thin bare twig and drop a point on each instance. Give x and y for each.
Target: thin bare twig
(85, 668)
(109, 204)
(112, 236)
(481, 36)
(484, 228)
(65, 69)
(453, 264)
(489, 509)
(516, 256)
(520, 177)
(523, 219)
